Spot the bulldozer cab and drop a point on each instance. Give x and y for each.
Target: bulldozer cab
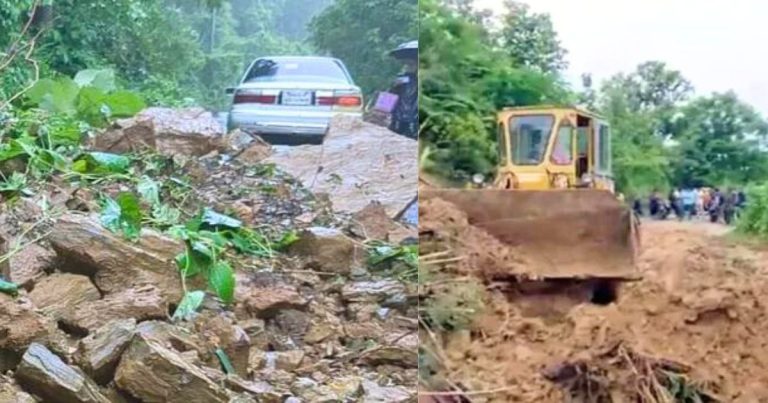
(553, 197)
(543, 148)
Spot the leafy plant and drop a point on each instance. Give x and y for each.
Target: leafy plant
(754, 219)
(188, 305)
(401, 261)
(90, 96)
(16, 184)
(95, 162)
(122, 215)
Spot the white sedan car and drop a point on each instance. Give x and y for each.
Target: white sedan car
(290, 100)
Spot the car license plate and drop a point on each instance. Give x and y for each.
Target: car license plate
(297, 98)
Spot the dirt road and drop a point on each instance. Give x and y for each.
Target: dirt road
(695, 324)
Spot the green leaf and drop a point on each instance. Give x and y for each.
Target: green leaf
(215, 219)
(39, 90)
(80, 166)
(65, 133)
(192, 262)
(122, 215)
(61, 97)
(110, 215)
(149, 190)
(130, 214)
(124, 104)
(114, 162)
(203, 249)
(164, 215)
(90, 106)
(103, 79)
(286, 240)
(222, 281)
(188, 305)
(9, 288)
(226, 364)
(101, 163)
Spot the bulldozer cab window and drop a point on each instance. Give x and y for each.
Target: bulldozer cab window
(529, 136)
(562, 154)
(502, 144)
(603, 162)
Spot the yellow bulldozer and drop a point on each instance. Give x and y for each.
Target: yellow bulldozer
(553, 195)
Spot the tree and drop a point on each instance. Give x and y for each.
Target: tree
(720, 142)
(531, 39)
(466, 78)
(362, 32)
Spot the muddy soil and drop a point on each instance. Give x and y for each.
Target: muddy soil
(695, 324)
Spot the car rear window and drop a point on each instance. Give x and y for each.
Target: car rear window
(296, 70)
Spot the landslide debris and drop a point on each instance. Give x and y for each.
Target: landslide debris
(165, 262)
(690, 330)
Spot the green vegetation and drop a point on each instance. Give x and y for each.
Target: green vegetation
(69, 68)
(182, 52)
(383, 24)
(664, 135)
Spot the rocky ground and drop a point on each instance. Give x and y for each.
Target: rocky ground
(692, 329)
(329, 318)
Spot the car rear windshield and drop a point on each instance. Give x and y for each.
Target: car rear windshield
(267, 70)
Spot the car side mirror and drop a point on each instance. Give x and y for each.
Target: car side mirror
(229, 90)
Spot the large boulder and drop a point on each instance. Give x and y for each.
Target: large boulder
(188, 132)
(46, 375)
(141, 303)
(265, 301)
(60, 294)
(116, 264)
(28, 265)
(20, 325)
(99, 353)
(357, 163)
(153, 373)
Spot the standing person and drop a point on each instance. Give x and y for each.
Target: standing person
(715, 206)
(729, 206)
(654, 204)
(688, 199)
(704, 198)
(405, 116)
(674, 202)
(637, 206)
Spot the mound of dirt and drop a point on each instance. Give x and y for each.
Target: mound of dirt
(442, 224)
(695, 325)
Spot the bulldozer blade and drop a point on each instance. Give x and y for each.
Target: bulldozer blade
(559, 234)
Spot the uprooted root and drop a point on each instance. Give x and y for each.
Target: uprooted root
(621, 374)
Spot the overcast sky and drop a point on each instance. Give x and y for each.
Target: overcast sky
(717, 45)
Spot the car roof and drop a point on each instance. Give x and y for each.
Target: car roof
(289, 58)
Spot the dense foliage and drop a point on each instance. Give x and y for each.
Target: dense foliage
(186, 52)
(363, 32)
(663, 134)
(465, 77)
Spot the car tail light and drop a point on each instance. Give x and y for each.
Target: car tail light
(349, 100)
(344, 101)
(253, 97)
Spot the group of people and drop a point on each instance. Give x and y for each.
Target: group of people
(687, 203)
